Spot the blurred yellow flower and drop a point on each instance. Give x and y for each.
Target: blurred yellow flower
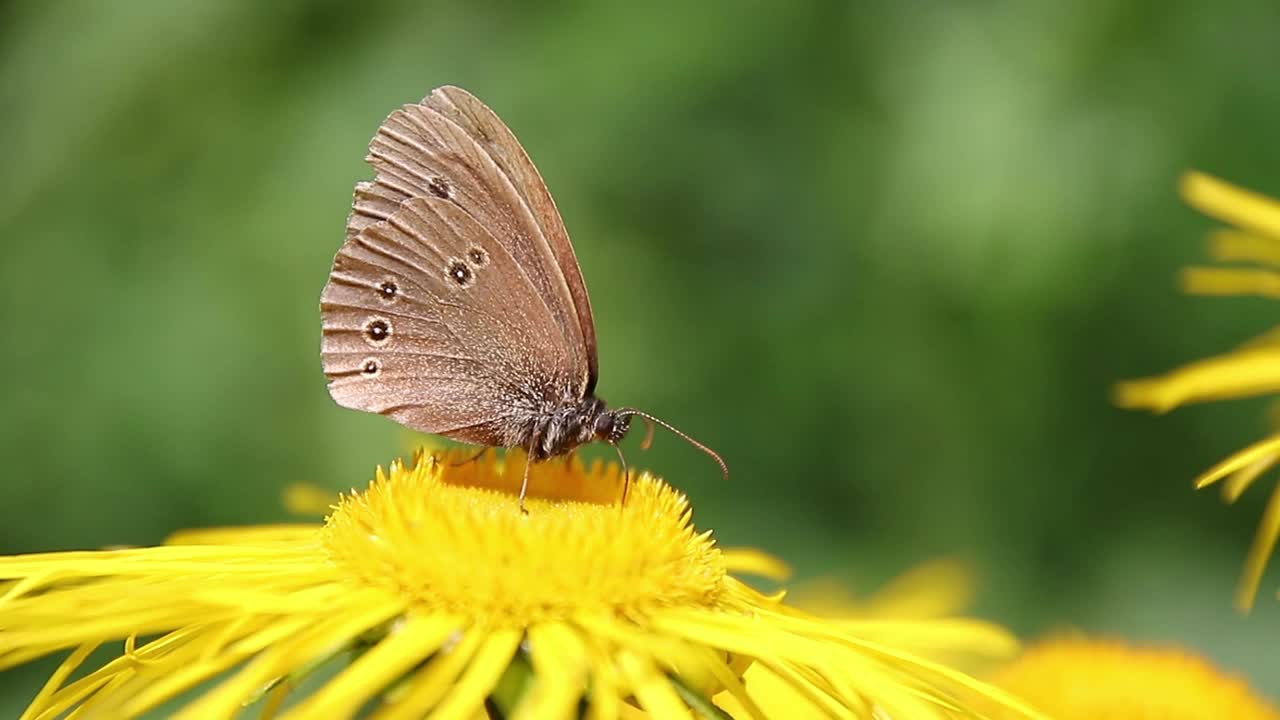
(431, 594)
(1072, 678)
(939, 588)
(1250, 370)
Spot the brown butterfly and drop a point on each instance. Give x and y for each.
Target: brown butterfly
(456, 305)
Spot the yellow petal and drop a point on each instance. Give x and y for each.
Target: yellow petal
(1240, 460)
(1264, 543)
(59, 676)
(1229, 245)
(1240, 480)
(1244, 373)
(1231, 204)
(560, 672)
(325, 636)
(432, 683)
(652, 688)
(755, 562)
(483, 673)
(1230, 281)
(397, 653)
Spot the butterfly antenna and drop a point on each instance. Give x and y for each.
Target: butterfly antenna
(650, 419)
(626, 474)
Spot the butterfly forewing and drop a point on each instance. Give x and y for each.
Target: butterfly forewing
(429, 317)
(493, 136)
(422, 152)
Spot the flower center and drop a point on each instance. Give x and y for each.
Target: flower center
(448, 535)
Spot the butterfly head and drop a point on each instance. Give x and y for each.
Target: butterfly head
(611, 427)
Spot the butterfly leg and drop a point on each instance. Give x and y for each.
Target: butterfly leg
(626, 474)
(524, 483)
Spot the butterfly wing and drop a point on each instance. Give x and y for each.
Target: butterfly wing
(452, 147)
(484, 126)
(429, 317)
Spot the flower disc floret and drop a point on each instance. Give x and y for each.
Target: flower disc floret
(450, 538)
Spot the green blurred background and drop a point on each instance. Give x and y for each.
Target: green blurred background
(887, 258)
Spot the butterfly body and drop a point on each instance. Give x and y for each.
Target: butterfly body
(456, 306)
(561, 429)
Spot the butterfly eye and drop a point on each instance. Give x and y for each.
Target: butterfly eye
(388, 290)
(439, 187)
(461, 273)
(378, 331)
(478, 256)
(371, 367)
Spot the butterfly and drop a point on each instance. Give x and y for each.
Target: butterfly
(456, 305)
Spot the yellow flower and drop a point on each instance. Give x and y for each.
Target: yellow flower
(1250, 370)
(431, 594)
(1088, 679)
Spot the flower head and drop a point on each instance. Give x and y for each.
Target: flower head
(1252, 369)
(1071, 678)
(431, 594)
